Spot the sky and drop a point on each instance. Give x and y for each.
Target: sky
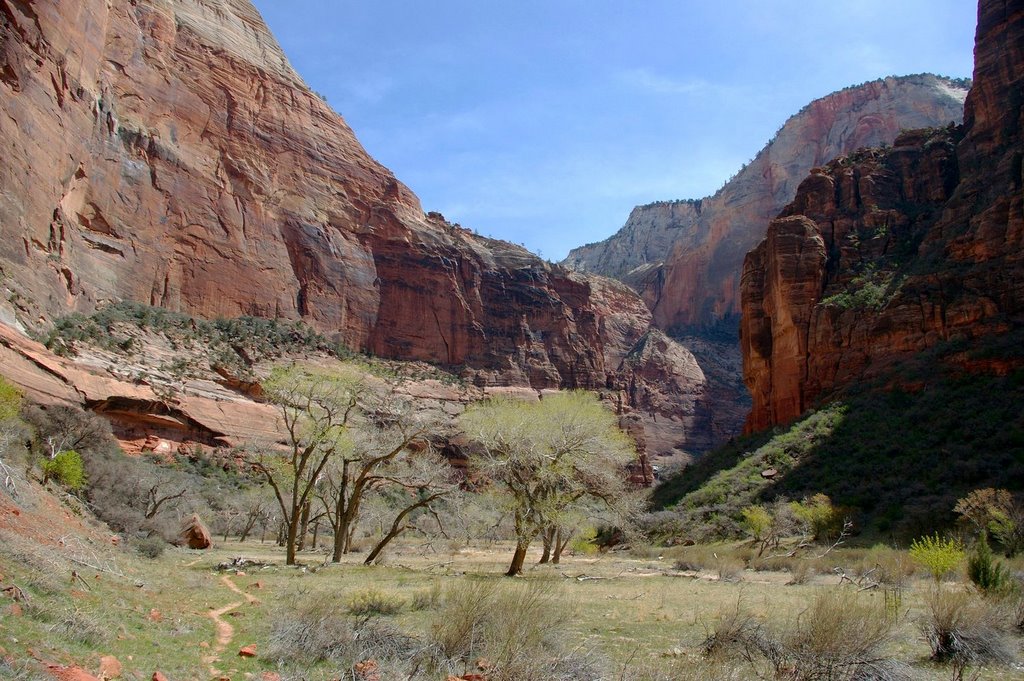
(544, 122)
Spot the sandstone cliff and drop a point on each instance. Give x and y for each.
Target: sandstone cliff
(885, 254)
(164, 151)
(685, 257)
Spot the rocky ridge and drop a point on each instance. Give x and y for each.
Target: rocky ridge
(884, 255)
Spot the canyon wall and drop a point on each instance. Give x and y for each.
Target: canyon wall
(685, 257)
(886, 254)
(165, 151)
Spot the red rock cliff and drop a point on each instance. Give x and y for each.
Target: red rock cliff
(885, 254)
(685, 257)
(165, 151)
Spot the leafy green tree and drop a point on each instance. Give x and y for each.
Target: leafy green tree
(315, 409)
(388, 450)
(546, 457)
(819, 516)
(66, 468)
(996, 512)
(937, 555)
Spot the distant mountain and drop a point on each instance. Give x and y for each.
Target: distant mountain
(685, 257)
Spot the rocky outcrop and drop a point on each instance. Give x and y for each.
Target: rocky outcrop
(164, 151)
(885, 254)
(685, 257)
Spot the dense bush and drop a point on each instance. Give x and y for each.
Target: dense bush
(965, 629)
(839, 636)
(66, 468)
(987, 573)
(937, 555)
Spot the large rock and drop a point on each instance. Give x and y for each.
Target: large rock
(888, 253)
(194, 534)
(685, 257)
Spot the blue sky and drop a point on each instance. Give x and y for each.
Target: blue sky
(544, 122)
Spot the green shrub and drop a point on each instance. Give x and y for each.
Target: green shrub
(984, 570)
(150, 547)
(10, 400)
(372, 603)
(821, 518)
(757, 521)
(66, 468)
(937, 555)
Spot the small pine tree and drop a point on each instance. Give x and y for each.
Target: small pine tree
(988, 574)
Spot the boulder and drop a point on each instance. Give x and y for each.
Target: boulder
(195, 535)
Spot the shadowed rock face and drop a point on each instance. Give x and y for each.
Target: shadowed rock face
(165, 151)
(685, 257)
(885, 254)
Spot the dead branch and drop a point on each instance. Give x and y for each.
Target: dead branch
(15, 592)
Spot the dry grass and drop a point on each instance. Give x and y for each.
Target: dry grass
(609, 616)
(964, 628)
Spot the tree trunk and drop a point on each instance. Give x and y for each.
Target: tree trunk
(560, 545)
(340, 540)
(548, 537)
(290, 541)
(518, 558)
(316, 531)
(303, 527)
(249, 524)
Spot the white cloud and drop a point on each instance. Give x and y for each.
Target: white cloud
(645, 79)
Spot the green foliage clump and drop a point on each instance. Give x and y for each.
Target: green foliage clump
(374, 603)
(244, 339)
(937, 555)
(66, 468)
(820, 517)
(987, 573)
(757, 521)
(870, 290)
(10, 400)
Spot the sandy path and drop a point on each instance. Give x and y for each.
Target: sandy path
(225, 632)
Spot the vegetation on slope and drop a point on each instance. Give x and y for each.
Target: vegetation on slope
(901, 458)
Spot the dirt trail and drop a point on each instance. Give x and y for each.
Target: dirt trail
(225, 632)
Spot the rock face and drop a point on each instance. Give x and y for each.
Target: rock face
(164, 151)
(884, 254)
(685, 257)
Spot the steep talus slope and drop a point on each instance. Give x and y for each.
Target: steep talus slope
(685, 257)
(884, 255)
(164, 151)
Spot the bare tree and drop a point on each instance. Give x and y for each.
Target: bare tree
(421, 481)
(315, 409)
(546, 457)
(389, 448)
